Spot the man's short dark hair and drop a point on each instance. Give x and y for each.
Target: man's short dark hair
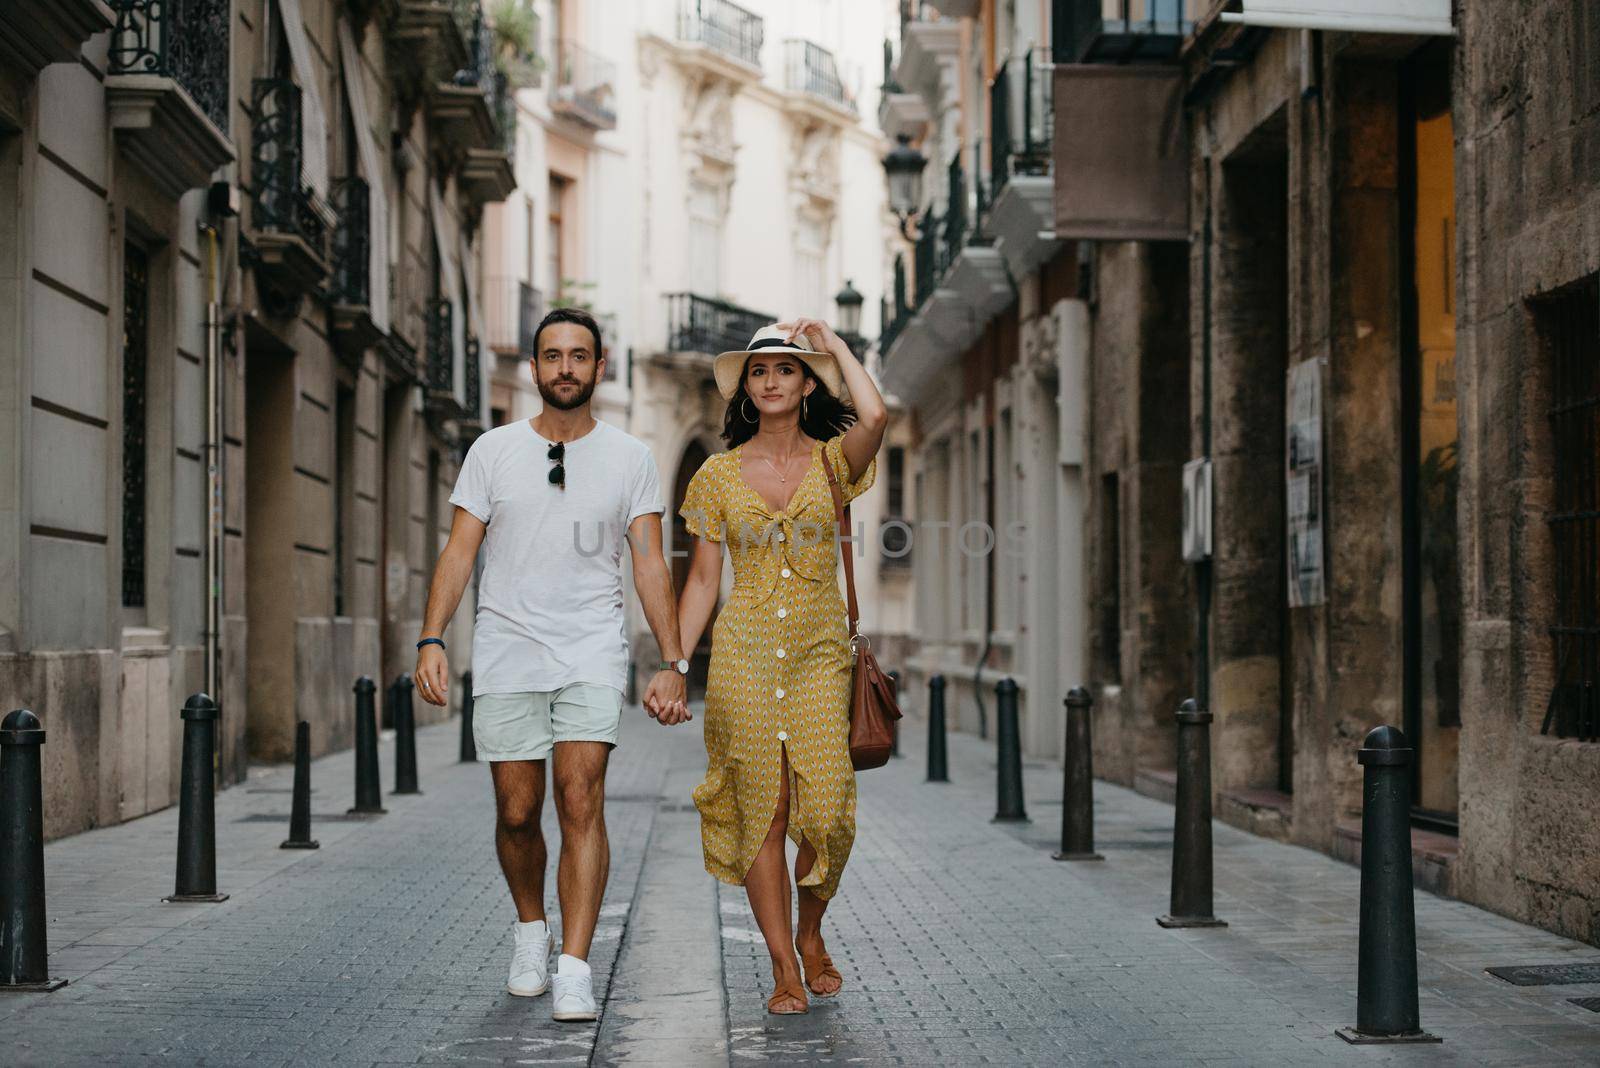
(569, 315)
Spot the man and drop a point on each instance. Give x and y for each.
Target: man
(549, 499)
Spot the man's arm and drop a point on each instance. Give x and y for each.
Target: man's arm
(451, 574)
(652, 581)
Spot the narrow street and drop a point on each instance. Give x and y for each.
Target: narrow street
(961, 941)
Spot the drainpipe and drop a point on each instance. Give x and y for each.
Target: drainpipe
(1202, 568)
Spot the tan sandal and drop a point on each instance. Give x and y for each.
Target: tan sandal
(819, 966)
(790, 991)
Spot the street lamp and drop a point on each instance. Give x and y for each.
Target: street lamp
(904, 166)
(849, 302)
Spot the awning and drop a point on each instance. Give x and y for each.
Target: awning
(1355, 16)
(313, 117)
(355, 88)
(1121, 155)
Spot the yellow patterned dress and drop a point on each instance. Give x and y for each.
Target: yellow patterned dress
(780, 669)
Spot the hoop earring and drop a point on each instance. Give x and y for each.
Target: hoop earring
(804, 414)
(747, 418)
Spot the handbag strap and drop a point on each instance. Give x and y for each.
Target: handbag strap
(841, 515)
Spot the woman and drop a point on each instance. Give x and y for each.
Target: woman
(777, 719)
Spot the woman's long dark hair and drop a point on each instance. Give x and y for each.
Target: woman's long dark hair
(822, 415)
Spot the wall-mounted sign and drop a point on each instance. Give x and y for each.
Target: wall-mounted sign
(1197, 510)
(1303, 484)
(1355, 16)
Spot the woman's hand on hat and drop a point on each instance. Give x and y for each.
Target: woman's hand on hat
(816, 331)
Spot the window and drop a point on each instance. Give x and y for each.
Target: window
(811, 254)
(532, 261)
(557, 269)
(1108, 576)
(135, 360)
(1570, 325)
(705, 239)
(897, 480)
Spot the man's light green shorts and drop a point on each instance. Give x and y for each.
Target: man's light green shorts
(526, 726)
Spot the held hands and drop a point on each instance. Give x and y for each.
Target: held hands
(432, 674)
(666, 699)
(819, 333)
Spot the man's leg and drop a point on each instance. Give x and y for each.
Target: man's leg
(580, 787)
(519, 800)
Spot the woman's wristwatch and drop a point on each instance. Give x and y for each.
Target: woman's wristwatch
(680, 666)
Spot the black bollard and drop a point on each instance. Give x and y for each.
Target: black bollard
(197, 801)
(24, 942)
(937, 769)
(894, 726)
(469, 748)
(1077, 786)
(300, 809)
(405, 738)
(1008, 738)
(369, 801)
(1191, 835)
(1386, 976)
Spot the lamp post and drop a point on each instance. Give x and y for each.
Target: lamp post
(849, 303)
(903, 166)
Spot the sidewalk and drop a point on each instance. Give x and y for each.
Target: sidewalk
(961, 941)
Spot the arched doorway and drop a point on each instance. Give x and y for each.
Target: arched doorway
(682, 542)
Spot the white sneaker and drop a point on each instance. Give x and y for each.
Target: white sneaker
(573, 999)
(530, 961)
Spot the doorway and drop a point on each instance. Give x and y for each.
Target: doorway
(270, 513)
(1431, 588)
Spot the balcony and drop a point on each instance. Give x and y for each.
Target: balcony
(488, 175)
(1021, 208)
(1121, 31)
(37, 33)
(473, 420)
(439, 360)
(350, 289)
(814, 80)
(461, 109)
(287, 233)
(428, 41)
(167, 89)
(704, 324)
(729, 34)
(513, 309)
(400, 358)
(584, 88)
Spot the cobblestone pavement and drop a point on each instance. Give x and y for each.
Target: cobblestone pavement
(961, 941)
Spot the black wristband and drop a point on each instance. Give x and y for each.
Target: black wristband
(430, 641)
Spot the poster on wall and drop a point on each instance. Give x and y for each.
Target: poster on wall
(1303, 483)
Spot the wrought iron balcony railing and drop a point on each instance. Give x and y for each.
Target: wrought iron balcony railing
(1020, 143)
(704, 324)
(724, 26)
(810, 68)
(928, 261)
(955, 211)
(474, 355)
(585, 86)
(280, 200)
(439, 372)
(512, 309)
(1120, 31)
(352, 237)
(185, 40)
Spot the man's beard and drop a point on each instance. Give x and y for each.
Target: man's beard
(566, 404)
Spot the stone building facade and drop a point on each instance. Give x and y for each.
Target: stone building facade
(240, 360)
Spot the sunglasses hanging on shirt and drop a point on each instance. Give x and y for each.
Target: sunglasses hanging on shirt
(558, 474)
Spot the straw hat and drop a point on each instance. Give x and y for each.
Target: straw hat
(768, 341)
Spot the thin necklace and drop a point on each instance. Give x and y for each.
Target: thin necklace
(781, 476)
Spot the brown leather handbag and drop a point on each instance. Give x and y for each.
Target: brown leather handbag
(872, 700)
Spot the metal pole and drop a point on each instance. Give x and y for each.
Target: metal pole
(937, 769)
(469, 747)
(1191, 836)
(24, 938)
(369, 801)
(300, 811)
(894, 727)
(197, 798)
(1386, 976)
(1009, 808)
(1077, 786)
(405, 738)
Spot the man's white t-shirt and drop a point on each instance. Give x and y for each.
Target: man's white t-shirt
(550, 596)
